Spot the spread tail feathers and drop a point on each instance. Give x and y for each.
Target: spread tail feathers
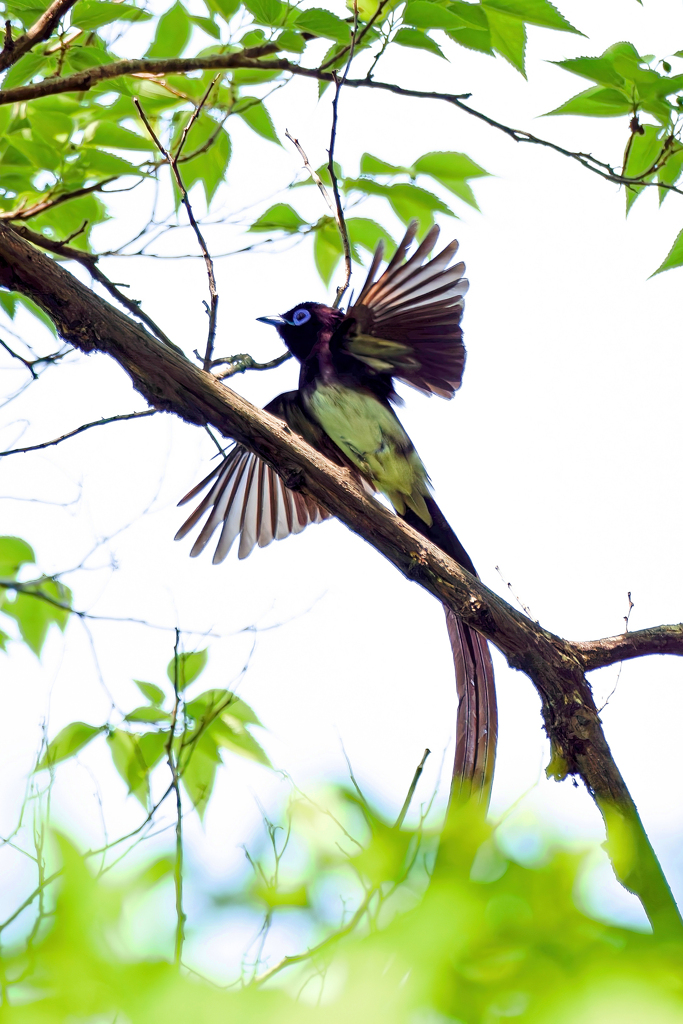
(477, 720)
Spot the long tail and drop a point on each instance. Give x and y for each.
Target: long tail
(477, 720)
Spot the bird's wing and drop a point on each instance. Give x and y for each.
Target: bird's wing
(407, 323)
(249, 499)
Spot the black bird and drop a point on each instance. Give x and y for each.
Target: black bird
(405, 326)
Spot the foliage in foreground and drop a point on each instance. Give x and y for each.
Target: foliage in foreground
(490, 940)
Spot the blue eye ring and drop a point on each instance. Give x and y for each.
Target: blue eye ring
(300, 317)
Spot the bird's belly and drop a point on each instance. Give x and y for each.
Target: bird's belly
(371, 436)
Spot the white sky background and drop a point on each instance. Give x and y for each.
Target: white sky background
(559, 461)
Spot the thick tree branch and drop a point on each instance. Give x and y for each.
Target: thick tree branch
(556, 667)
(610, 650)
(14, 49)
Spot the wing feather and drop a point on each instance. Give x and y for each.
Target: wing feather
(406, 324)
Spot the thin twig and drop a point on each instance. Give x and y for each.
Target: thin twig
(79, 430)
(238, 364)
(313, 173)
(21, 213)
(411, 791)
(173, 162)
(339, 211)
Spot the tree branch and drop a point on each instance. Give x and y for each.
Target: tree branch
(555, 666)
(81, 81)
(610, 650)
(79, 430)
(14, 49)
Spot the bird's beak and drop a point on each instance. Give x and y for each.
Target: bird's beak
(274, 321)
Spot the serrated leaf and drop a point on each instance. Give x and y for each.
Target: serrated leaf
(508, 37)
(412, 37)
(445, 167)
(257, 117)
(533, 12)
(173, 33)
(323, 23)
(280, 217)
(669, 173)
(368, 233)
(644, 150)
(68, 742)
(154, 694)
(597, 69)
(148, 714)
(184, 669)
(211, 144)
(423, 14)
(675, 257)
(595, 102)
(92, 14)
(370, 164)
(14, 552)
(473, 39)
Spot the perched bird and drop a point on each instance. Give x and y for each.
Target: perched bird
(404, 326)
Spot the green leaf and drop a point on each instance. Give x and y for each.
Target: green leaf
(370, 164)
(473, 39)
(596, 69)
(172, 34)
(226, 8)
(644, 150)
(209, 165)
(410, 201)
(257, 117)
(113, 136)
(290, 41)
(508, 37)
(154, 694)
(423, 14)
(134, 757)
(8, 301)
(34, 614)
(69, 741)
(675, 257)
(206, 25)
(322, 23)
(148, 714)
(534, 12)
(412, 37)
(187, 667)
(280, 217)
(368, 233)
(268, 12)
(92, 14)
(30, 65)
(670, 172)
(452, 171)
(327, 248)
(198, 771)
(229, 733)
(4, 637)
(14, 552)
(596, 102)
(275, 896)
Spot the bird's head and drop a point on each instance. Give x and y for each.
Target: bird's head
(302, 326)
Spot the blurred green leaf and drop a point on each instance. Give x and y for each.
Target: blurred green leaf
(4, 637)
(327, 248)
(92, 14)
(172, 34)
(267, 12)
(368, 233)
(291, 41)
(370, 164)
(147, 714)
(154, 694)
(14, 552)
(34, 610)
(68, 742)
(114, 136)
(206, 25)
(198, 771)
(37, 312)
(30, 65)
(134, 758)
(184, 669)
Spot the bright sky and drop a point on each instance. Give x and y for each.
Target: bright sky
(558, 462)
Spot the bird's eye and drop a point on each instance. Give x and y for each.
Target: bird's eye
(301, 316)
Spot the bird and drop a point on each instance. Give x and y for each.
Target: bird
(404, 326)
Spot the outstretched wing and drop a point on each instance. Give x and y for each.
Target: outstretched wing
(407, 323)
(249, 499)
